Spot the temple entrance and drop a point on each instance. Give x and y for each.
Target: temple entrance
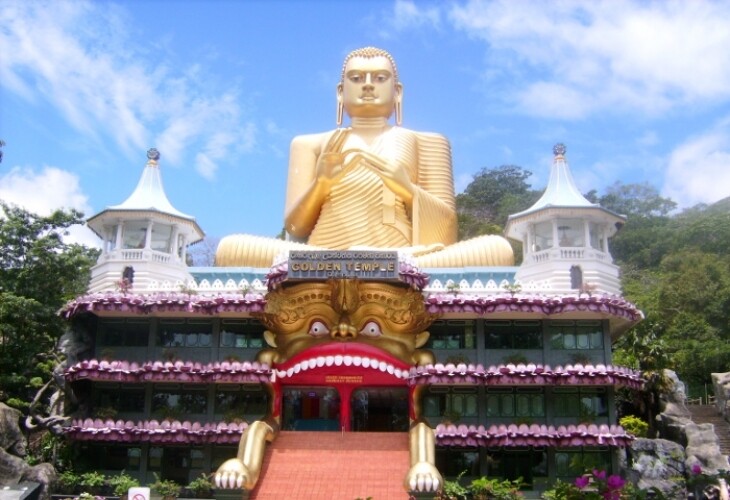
(311, 409)
(379, 409)
(362, 409)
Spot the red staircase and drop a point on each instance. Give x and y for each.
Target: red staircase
(332, 465)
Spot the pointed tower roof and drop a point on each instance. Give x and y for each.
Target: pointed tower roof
(148, 198)
(561, 197)
(561, 190)
(150, 193)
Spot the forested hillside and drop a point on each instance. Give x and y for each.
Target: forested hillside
(675, 267)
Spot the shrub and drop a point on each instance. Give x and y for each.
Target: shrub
(634, 425)
(496, 489)
(202, 487)
(121, 483)
(165, 487)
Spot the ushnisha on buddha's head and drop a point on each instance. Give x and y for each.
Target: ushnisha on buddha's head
(369, 86)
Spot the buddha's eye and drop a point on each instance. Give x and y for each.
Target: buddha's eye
(355, 77)
(381, 78)
(318, 329)
(371, 329)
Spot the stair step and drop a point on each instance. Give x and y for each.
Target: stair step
(708, 414)
(324, 465)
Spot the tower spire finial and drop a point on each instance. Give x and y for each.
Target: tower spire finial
(559, 149)
(153, 156)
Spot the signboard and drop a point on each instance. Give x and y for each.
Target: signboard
(326, 264)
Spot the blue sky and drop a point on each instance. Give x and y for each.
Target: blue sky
(638, 91)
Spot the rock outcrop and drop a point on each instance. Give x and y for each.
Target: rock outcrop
(657, 463)
(13, 469)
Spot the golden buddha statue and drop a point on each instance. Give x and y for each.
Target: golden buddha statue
(370, 185)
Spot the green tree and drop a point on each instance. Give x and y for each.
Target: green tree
(39, 272)
(491, 197)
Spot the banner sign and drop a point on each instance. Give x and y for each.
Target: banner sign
(326, 264)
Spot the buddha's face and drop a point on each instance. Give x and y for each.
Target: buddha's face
(369, 88)
(368, 317)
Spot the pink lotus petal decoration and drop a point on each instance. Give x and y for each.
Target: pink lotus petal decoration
(530, 374)
(140, 304)
(155, 432)
(514, 435)
(158, 371)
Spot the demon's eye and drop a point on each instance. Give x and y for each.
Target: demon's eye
(371, 329)
(318, 329)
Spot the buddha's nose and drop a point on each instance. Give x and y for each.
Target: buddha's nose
(344, 330)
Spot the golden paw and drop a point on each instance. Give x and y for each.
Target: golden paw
(423, 477)
(232, 474)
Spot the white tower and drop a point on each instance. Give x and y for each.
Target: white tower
(145, 238)
(565, 238)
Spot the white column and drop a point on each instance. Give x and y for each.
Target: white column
(184, 249)
(148, 235)
(556, 236)
(587, 235)
(120, 232)
(173, 241)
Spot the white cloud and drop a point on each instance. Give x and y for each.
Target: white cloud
(78, 56)
(698, 171)
(596, 56)
(406, 14)
(45, 191)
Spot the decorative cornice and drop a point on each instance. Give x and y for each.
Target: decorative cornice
(439, 303)
(177, 371)
(526, 374)
(165, 302)
(484, 305)
(564, 436)
(152, 431)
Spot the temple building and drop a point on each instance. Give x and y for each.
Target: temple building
(513, 378)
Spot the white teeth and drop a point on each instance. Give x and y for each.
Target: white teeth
(382, 366)
(366, 362)
(338, 360)
(297, 368)
(312, 363)
(347, 360)
(390, 369)
(397, 373)
(320, 361)
(357, 361)
(329, 360)
(281, 373)
(290, 372)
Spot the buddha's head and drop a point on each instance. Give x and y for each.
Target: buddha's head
(369, 85)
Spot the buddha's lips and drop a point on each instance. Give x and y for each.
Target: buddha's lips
(343, 354)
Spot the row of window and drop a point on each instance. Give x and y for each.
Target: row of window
(453, 334)
(517, 334)
(169, 402)
(584, 403)
(245, 333)
(530, 464)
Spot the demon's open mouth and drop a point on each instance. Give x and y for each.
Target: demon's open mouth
(343, 354)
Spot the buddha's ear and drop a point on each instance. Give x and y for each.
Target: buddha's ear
(398, 104)
(270, 338)
(422, 338)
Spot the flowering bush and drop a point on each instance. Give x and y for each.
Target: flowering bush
(597, 486)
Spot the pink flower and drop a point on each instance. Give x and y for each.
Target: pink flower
(581, 482)
(615, 482)
(696, 470)
(599, 474)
